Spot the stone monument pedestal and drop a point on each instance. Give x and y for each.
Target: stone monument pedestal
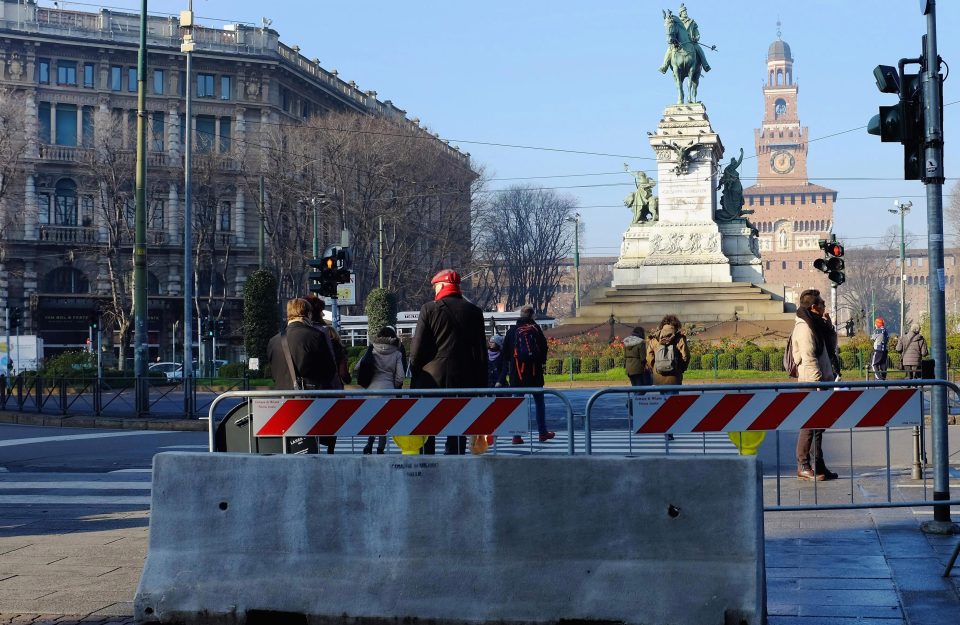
(687, 262)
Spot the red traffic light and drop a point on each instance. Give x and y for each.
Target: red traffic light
(834, 249)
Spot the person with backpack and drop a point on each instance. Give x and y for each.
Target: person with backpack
(383, 363)
(635, 357)
(525, 348)
(449, 347)
(667, 353)
(814, 347)
(878, 359)
(914, 349)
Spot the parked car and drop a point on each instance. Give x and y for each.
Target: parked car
(172, 370)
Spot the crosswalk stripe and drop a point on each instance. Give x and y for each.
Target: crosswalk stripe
(74, 489)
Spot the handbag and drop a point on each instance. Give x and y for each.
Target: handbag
(366, 368)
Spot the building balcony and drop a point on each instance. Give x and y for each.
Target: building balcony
(67, 234)
(64, 153)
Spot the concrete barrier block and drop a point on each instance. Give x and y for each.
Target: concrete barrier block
(662, 540)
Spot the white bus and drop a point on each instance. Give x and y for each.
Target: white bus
(353, 328)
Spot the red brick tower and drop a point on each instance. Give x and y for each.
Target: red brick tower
(791, 213)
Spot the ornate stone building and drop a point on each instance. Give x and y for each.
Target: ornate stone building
(792, 213)
(75, 74)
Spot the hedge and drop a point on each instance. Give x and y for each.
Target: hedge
(232, 370)
(590, 365)
(554, 366)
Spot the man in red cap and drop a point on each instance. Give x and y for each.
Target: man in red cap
(449, 347)
(879, 358)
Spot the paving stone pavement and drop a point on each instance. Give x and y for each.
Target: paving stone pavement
(838, 567)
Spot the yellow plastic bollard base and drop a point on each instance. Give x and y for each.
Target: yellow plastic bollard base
(747, 442)
(410, 445)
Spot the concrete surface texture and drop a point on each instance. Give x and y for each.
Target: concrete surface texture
(455, 540)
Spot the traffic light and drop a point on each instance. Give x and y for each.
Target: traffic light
(329, 271)
(832, 264)
(16, 318)
(903, 122)
(221, 327)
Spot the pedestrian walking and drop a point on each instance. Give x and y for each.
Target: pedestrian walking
(913, 348)
(342, 374)
(300, 358)
(495, 360)
(635, 357)
(388, 372)
(878, 360)
(449, 347)
(813, 341)
(525, 348)
(667, 353)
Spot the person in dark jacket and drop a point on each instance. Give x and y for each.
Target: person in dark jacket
(913, 347)
(310, 355)
(387, 372)
(878, 360)
(524, 366)
(449, 347)
(635, 357)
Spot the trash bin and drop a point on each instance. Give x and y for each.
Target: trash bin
(927, 369)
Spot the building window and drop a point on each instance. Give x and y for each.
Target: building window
(132, 79)
(43, 120)
(155, 214)
(87, 129)
(225, 135)
(65, 203)
(156, 131)
(953, 261)
(909, 261)
(783, 264)
(223, 221)
(920, 261)
(182, 84)
(226, 91)
(158, 81)
(799, 264)
(43, 209)
(67, 73)
(131, 129)
(205, 86)
(89, 75)
(116, 78)
(86, 211)
(206, 132)
(66, 125)
(43, 71)
(183, 129)
(285, 99)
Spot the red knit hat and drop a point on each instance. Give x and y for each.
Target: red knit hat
(446, 275)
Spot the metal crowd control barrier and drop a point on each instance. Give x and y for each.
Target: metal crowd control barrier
(724, 419)
(249, 396)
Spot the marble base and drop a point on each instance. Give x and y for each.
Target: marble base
(666, 253)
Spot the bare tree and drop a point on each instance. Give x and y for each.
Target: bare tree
(525, 236)
(13, 146)
(212, 232)
(871, 281)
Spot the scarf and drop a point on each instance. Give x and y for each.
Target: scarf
(823, 334)
(493, 355)
(447, 289)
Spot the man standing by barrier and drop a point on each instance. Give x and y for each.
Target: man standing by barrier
(814, 340)
(525, 348)
(449, 347)
(879, 358)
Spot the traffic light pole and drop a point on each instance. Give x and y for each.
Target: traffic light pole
(186, 22)
(933, 178)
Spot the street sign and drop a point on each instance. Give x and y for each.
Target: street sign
(346, 293)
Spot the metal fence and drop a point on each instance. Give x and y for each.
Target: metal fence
(114, 396)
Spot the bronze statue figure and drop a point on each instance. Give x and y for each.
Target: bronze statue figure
(684, 54)
(642, 201)
(731, 200)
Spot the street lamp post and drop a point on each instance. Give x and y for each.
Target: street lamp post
(187, 47)
(903, 209)
(576, 260)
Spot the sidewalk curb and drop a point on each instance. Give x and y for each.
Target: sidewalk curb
(112, 423)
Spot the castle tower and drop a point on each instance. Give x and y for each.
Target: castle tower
(791, 213)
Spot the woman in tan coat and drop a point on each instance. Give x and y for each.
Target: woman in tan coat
(667, 353)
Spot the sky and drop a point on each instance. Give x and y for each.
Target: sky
(580, 76)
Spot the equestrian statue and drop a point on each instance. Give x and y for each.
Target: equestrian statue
(684, 54)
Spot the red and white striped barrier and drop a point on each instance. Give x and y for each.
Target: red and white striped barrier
(775, 410)
(424, 416)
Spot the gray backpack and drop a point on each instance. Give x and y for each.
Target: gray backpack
(666, 360)
(789, 364)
